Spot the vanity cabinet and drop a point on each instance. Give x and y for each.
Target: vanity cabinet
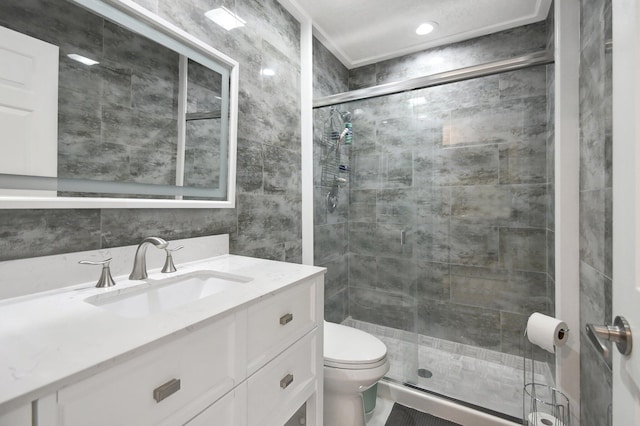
(167, 385)
(255, 365)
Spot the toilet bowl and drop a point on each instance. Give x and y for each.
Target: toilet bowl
(353, 362)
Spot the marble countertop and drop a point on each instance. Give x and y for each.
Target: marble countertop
(52, 339)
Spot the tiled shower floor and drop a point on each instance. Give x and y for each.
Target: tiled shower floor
(482, 377)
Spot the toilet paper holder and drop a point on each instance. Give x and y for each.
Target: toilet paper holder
(618, 333)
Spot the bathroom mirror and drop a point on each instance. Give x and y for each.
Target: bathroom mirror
(104, 104)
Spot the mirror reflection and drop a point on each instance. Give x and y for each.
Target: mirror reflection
(134, 118)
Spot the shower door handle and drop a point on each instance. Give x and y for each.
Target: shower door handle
(618, 333)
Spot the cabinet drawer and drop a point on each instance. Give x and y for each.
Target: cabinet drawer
(182, 376)
(230, 410)
(278, 389)
(277, 322)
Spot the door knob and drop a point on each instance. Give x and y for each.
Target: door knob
(618, 333)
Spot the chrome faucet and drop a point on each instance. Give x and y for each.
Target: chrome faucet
(140, 262)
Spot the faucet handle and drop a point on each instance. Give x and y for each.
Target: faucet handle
(105, 280)
(168, 263)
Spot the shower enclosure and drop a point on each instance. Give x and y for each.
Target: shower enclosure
(437, 228)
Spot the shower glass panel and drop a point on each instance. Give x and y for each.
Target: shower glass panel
(448, 220)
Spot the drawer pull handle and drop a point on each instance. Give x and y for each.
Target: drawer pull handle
(286, 319)
(166, 390)
(286, 381)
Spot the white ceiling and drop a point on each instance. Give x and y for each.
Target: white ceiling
(361, 32)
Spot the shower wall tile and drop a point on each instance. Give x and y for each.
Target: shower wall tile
(330, 76)
(330, 242)
(512, 337)
(502, 45)
(463, 94)
(395, 206)
(362, 77)
(518, 292)
(336, 307)
(459, 323)
(396, 275)
(363, 271)
(337, 276)
(383, 308)
(473, 244)
(365, 172)
(397, 170)
(523, 83)
(484, 124)
(378, 240)
(551, 254)
(501, 205)
(362, 205)
(467, 166)
(433, 281)
(523, 162)
(432, 241)
(523, 249)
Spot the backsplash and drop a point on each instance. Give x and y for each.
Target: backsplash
(267, 219)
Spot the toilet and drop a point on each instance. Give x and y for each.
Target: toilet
(353, 362)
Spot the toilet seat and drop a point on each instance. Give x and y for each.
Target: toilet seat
(352, 349)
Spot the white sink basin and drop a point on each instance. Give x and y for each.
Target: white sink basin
(166, 294)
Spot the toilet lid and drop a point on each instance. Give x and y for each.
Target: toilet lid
(347, 345)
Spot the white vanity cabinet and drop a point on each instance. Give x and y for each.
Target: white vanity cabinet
(255, 365)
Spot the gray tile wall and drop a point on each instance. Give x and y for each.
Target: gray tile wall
(595, 205)
(551, 270)
(462, 170)
(331, 242)
(493, 47)
(267, 219)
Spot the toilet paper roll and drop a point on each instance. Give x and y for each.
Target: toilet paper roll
(538, 418)
(546, 331)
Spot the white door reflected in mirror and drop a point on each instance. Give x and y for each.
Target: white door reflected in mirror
(28, 108)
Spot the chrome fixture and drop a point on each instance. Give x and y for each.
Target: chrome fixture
(618, 333)
(542, 57)
(139, 271)
(105, 280)
(168, 263)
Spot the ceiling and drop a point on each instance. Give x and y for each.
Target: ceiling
(361, 32)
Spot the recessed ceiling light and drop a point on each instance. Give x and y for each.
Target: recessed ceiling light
(82, 59)
(225, 18)
(268, 72)
(426, 28)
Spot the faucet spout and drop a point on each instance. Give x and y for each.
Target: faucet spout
(139, 271)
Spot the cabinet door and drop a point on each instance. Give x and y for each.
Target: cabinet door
(230, 410)
(20, 416)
